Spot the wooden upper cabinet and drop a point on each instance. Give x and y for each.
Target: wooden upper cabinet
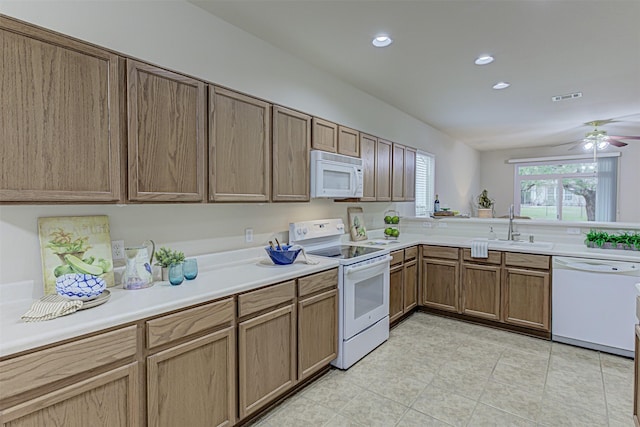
(291, 145)
(409, 174)
(167, 125)
(368, 149)
(383, 171)
(397, 176)
(325, 135)
(60, 123)
(348, 141)
(239, 147)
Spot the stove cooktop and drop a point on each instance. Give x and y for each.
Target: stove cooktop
(344, 251)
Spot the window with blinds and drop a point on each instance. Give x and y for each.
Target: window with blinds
(425, 166)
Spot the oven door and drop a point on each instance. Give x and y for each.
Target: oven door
(366, 294)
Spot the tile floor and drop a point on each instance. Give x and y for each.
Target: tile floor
(435, 371)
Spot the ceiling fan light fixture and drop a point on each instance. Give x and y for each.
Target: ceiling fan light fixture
(588, 145)
(484, 60)
(381, 40)
(603, 144)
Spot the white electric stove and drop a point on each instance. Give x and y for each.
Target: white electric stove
(363, 287)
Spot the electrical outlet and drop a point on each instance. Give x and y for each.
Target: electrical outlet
(573, 230)
(442, 225)
(248, 235)
(117, 250)
(426, 224)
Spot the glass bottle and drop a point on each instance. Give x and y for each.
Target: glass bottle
(436, 205)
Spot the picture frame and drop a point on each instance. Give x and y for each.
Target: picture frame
(75, 244)
(357, 228)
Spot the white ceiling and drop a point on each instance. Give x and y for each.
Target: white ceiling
(542, 47)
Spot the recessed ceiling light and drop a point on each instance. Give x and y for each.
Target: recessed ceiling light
(484, 60)
(501, 85)
(382, 41)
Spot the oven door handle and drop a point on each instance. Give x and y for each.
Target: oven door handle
(385, 260)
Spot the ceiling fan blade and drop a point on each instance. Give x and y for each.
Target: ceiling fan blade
(617, 143)
(617, 137)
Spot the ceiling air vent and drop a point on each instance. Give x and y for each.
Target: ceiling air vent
(567, 96)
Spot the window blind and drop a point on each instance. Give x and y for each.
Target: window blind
(425, 188)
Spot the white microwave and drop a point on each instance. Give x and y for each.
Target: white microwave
(335, 176)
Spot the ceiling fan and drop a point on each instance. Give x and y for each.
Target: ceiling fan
(598, 139)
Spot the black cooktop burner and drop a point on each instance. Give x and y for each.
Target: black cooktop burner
(344, 252)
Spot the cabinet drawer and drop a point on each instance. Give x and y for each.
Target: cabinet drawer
(262, 299)
(318, 282)
(397, 257)
(527, 260)
(53, 364)
(410, 253)
(169, 328)
(494, 257)
(429, 251)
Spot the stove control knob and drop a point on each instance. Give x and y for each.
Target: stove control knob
(305, 230)
(299, 231)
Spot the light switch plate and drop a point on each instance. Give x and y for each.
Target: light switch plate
(248, 235)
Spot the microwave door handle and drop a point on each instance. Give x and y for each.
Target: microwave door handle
(354, 181)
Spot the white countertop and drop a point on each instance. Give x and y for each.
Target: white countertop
(220, 275)
(250, 270)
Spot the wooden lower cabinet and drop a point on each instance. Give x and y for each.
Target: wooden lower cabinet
(526, 297)
(266, 357)
(396, 293)
(107, 399)
(410, 280)
(317, 332)
(440, 284)
(481, 290)
(193, 383)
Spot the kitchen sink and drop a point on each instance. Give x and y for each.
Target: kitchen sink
(522, 244)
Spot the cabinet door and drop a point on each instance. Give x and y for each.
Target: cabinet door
(348, 141)
(526, 298)
(440, 284)
(166, 135)
(291, 145)
(60, 126)
(325, 135)
(193, 384)
(368, 145)
(239, 147)
(317, 332)
(481, 290)
(383, 171)
(397, 176)
(410, 279)
(107, 399)
(409, 174)
(396, 293)
(266, 358)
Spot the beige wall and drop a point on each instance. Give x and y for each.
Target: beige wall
(182, 37)
(498, 177)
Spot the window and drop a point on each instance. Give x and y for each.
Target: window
(425, 173)
(570, 190)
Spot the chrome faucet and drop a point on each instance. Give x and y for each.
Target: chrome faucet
(511, 234)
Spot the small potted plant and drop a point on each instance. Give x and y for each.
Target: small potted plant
(485, 205)
(165, 257)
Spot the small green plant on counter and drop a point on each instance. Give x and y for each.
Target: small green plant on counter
(625, 240)
(165, 257)
(484, 202)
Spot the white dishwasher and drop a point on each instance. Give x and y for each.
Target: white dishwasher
(593, 304)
